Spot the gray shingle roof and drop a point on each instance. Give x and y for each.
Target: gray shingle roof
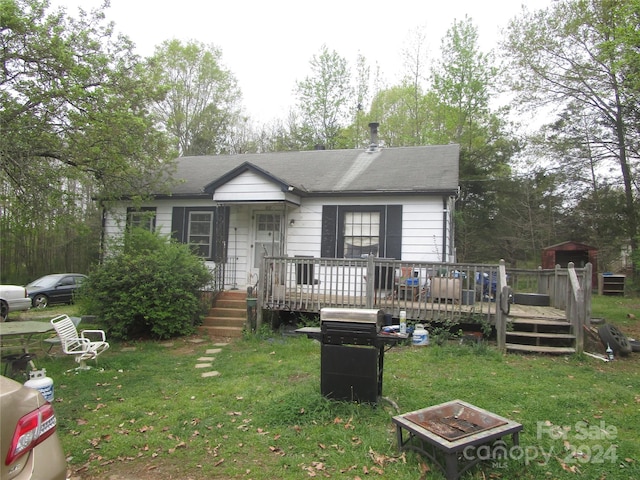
(428, 169)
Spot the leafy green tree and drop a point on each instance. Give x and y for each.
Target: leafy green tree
(460, 112)
(148, 286)
(530, 216)
(403, 110)
(201, 107)
(75, 125)
(597, 218)
(582, 56)
(395, 108)
(324, 96)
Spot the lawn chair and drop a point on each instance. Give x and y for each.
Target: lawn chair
(55, 341)
(79, 345)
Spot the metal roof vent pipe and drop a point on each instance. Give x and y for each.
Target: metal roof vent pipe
(373, 127)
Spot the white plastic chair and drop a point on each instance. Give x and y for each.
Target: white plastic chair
(79, 345)
(55, 341)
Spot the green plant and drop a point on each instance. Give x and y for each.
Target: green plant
(309, 320)
(147, 286)
(482, 321)
(443, 331)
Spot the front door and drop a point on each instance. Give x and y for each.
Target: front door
(267, 241)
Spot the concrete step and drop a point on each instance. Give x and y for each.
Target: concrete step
(220, 331)
(213, 321)
(233, 294)
(228, 312)
(228, 316)
(231, 302)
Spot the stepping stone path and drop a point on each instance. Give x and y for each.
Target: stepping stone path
(207, 361)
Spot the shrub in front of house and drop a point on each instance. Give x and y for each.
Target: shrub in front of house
(147, 287)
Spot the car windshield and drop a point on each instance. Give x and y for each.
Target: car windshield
(44, 282)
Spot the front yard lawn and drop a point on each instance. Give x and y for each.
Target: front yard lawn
(146, 412)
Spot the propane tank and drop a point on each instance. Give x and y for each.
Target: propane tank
(420, 336)
(38, 380)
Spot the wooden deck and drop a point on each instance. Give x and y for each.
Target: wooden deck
(417, 310)
(438, 292)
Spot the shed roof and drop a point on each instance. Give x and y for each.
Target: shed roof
(427, 169)
(569, 245)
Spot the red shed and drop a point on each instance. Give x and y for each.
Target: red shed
(576, 252)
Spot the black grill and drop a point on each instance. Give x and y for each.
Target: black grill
(352, 354)
(343, 326)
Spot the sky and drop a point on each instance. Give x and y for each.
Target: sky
(267, 44)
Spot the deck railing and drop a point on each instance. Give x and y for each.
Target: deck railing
(427, 291)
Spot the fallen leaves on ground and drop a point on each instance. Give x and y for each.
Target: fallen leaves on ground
(277, 451)
(568, 468)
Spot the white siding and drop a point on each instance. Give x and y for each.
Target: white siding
(422, 224)
(251, 187)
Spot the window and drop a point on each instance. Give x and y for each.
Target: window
(205, 229)
(361, 234)
(352, 231)
(144, 217)
(201, 233)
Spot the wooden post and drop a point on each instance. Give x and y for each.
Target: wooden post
(261, 294)
(501, 318)
(576, 308)
(588, 291)
(371, 279)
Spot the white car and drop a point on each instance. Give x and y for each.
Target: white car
(13, 298)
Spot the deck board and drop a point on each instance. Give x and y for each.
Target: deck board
(417, 310)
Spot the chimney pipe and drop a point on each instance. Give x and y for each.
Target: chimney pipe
(373, 127)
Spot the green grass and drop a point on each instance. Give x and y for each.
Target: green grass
(623, 311)
(146, 409)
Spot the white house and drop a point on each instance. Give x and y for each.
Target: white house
(395, 203)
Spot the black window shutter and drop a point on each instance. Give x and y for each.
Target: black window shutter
(221, 232)
(178, 227)
(394, 232)
(329, 239)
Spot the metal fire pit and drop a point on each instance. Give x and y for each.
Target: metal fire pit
(455, 420)
(449, 433)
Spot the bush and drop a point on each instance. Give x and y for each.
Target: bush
(149, 286)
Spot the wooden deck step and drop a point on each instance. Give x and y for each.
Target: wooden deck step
(540, 321)
(540, 349)
(517, 333)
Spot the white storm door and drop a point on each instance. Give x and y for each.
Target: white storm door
(267, 237)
